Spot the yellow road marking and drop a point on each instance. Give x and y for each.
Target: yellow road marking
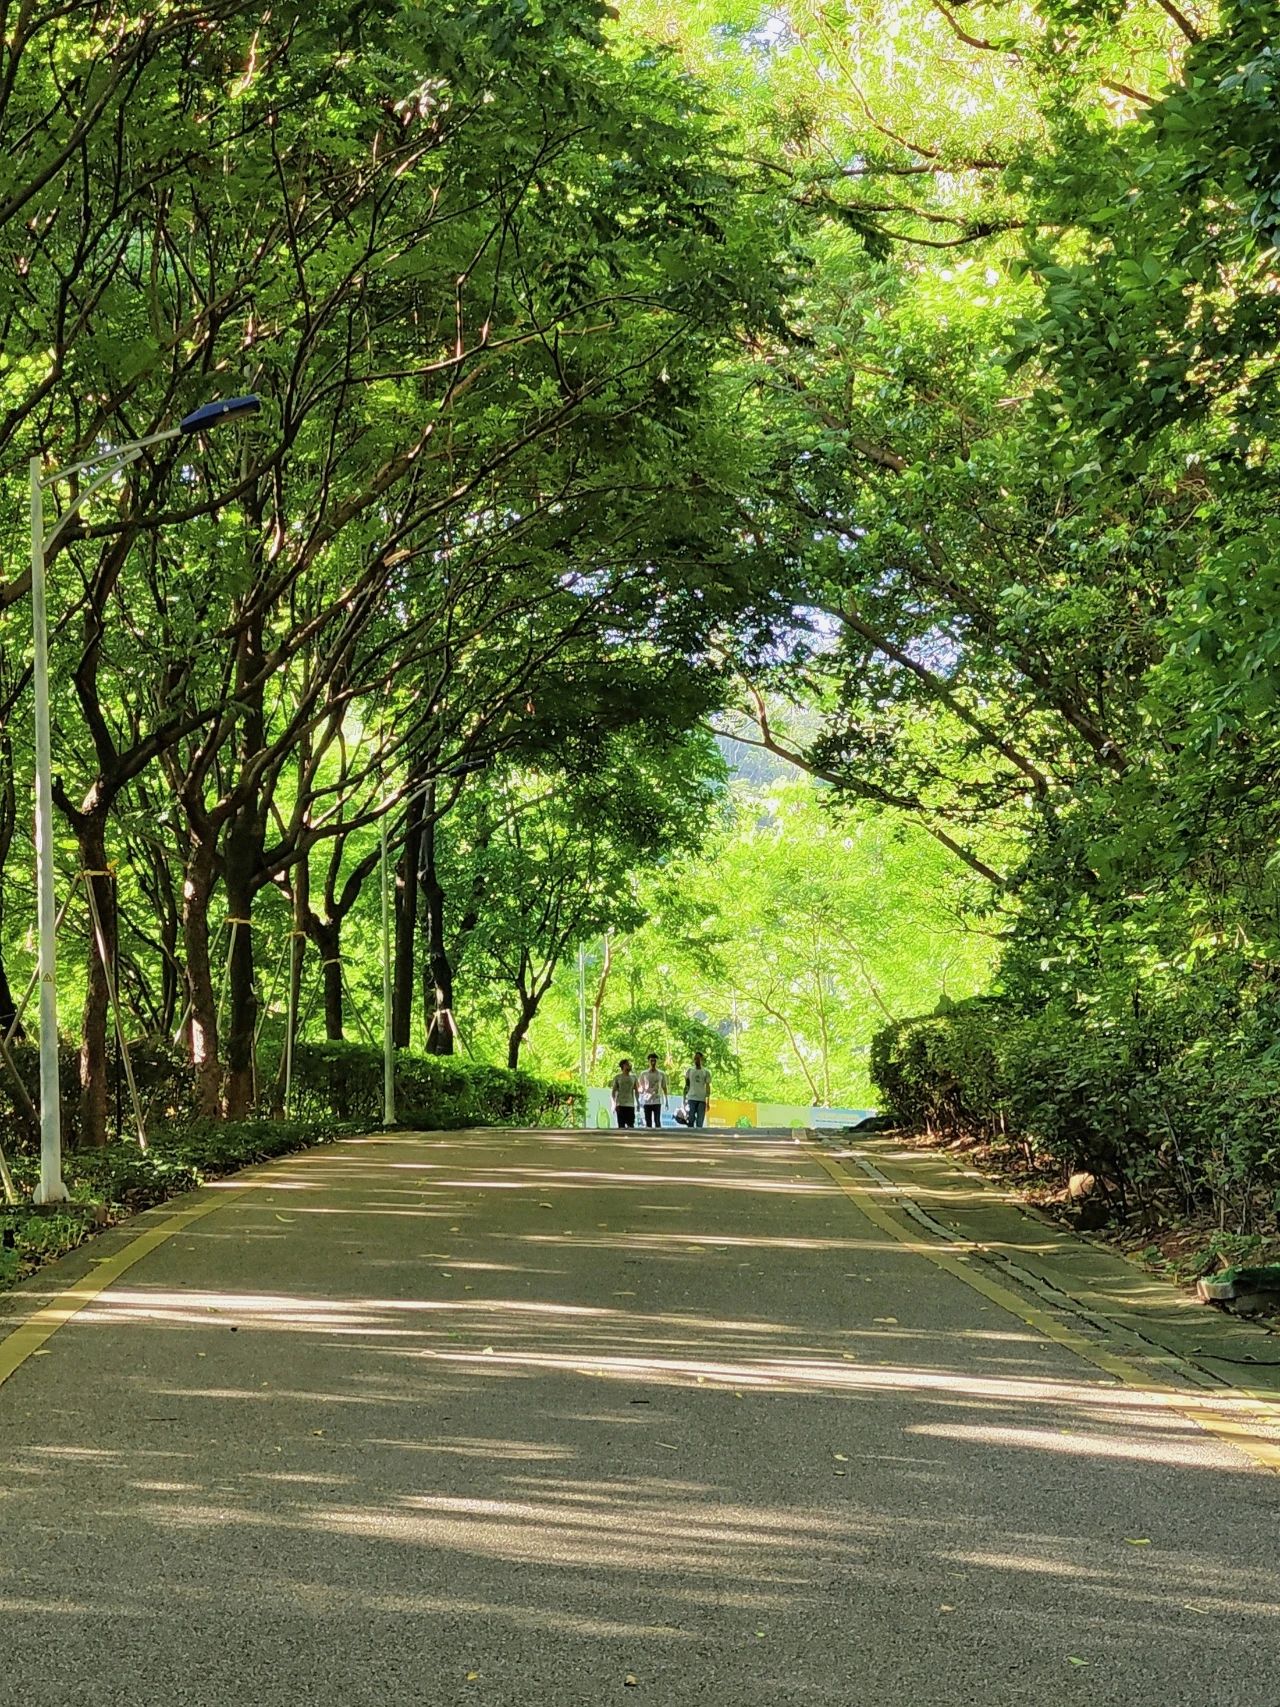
(1205, 1413)
(28, 1338)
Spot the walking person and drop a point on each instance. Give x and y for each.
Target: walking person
(623, 1090)
(697, 1091)
(654, 1092)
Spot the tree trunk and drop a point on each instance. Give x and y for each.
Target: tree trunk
(438, 973)
(597, 1006)
(8, 1007)
(242, 997)
(406, 922)
(243, 856)
(202, 1026)
(327, 936)
(8, 823)
(95, 1080)
(528, 1008)
(293, 999)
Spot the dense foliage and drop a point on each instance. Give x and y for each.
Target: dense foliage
(777, 950)
(896, 380)
(479, 264)
(1015, 456)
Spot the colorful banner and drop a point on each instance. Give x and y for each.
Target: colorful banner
(738, 1114)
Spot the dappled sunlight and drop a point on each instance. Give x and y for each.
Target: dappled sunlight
(489, 1451)
(504, 1390)
(581, 1180)
(1187, 1450)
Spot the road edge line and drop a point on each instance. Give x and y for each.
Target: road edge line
(1263, 1452)
(30, 1335)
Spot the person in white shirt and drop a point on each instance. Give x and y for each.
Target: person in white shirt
(624, 1093)
(654, 1092)
(697, 1091)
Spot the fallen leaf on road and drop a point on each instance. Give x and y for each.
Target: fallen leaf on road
(1202, 1610)
(472, 1676)
(1136, 1541)
(887, 1321)
(546, 1206)
(759, 1635)
(630, 1680)
(946, 1609)
(839, 1472)
(848, 1357)
(624, 1294)
(666, 1444)
(841, 1458)
(289, 1218)
(317, 1431)
(488, 1351)
(1073, 1661)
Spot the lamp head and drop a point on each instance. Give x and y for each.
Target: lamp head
(209, 414)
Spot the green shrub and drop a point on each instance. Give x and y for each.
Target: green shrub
(1159, 1098)
(433, 1092)
(121, 1179)
(166, 1089)
(943, 1072)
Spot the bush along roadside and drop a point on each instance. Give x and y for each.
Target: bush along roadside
(336, 1092)
(433, 1092)
(120, 1180)
(1170, 1118)
(331, 1081)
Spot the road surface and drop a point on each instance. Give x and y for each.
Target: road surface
(549, 1419)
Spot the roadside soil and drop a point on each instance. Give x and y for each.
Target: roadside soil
(1178, 1248)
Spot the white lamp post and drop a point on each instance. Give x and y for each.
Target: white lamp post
(102, 468)
(388, 1044)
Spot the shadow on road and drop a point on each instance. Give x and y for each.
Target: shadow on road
(577, 1406)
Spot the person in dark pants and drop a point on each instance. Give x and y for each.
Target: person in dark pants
(624, 1088)
(697, 1091)
(653, 1092)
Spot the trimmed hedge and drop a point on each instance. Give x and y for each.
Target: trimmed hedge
(331, 1081)
(337, 1090)
(1155, 1099)
(433, 1092)
(166, 1087)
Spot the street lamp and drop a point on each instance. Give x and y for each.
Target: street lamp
(103, 466)
(388, 1041)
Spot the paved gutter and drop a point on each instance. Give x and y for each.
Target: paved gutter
(1103, 1291)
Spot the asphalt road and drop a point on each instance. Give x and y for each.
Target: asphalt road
(549, 1419)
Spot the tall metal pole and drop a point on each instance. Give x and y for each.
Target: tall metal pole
(51, 1188)
(582, 1026)
(102, 469)
(388, 1045)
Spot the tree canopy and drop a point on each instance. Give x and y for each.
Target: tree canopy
(888, 386)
